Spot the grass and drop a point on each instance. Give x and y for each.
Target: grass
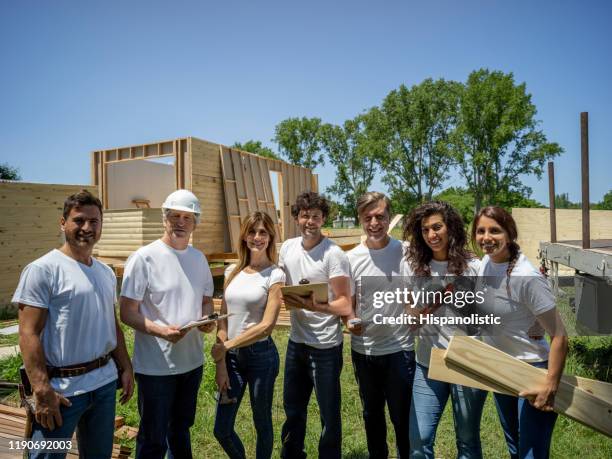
(588, 357)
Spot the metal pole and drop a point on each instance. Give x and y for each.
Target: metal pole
(584, 137)
(551, 199)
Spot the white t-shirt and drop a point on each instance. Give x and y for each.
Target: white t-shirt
(170, 285)
(385, 263)
(530, 296)
(80, 324)
(320, 264)
(432, 335)
(247, 296)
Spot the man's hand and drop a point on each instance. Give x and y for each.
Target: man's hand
(304, 302)
(48, 403)
(218, 352)
(172, 333)
(356, 327)
(127, 385)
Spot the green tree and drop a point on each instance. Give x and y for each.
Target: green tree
(8, 172)
(352, 151)
(562, 201)
(418, 124)
(256, 147)
(498, 137)
(461, 199)
(606, 202)
(299, 140)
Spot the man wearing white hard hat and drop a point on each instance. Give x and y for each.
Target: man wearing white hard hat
(166, 285)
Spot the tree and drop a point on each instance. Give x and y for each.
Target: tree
(353, 153)
(461, 199)
(256, 147)
(8, 172)
(606, 202)
(418, 124)
(299, 140)
(562, 201)
(498, 137)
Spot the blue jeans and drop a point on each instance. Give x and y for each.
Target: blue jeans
(429, 398)
(167, 406)
(92, 415)
(385, 378)
(256, 365)
(528, 431)
(306, 368)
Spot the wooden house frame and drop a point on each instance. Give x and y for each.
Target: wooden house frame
(228, 182)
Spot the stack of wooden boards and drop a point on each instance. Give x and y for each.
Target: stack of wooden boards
(470, 362)
(13, 422)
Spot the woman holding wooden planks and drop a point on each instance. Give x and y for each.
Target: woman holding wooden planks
(522, 297)
(437, 253)
(244, 352)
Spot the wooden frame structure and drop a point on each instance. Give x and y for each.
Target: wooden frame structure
(230, 183)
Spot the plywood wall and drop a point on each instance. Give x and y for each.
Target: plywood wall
(212, 234)
(29, 226)
(534, 226)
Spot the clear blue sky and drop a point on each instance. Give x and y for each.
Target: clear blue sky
(83, 75)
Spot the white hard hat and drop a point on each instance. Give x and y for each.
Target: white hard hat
(183, 200)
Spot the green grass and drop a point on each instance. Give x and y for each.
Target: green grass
(570, 438)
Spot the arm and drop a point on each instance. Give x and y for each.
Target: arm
(263, 328)
(340, 306)
(355, 329)
(132, 317)
(207, 309)
(221, 376)
(31, 323)
(122, 359)
(543, 397)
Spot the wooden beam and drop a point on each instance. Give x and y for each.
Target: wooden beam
(516, 376)
(443, 370)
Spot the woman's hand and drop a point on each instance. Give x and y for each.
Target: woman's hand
(542, 398)
(218, 352)
(221, 377)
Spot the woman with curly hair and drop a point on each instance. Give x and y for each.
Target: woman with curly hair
(522, 298)
(245, 353)
(438, 250)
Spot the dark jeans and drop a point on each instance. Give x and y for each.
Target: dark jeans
(255, 365)
(528, 431)
(306, 368)
(385, 379)
(167, 406)
(92, 414)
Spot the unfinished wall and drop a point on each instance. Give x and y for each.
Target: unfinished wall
(126, 230)
(211, 235)
(534, 227)
(29, 226)
(139, 180)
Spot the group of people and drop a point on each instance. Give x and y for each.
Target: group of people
(75, 354)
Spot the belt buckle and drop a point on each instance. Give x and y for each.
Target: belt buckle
(75, 371)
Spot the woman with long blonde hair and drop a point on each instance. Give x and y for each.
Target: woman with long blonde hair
(245, 353)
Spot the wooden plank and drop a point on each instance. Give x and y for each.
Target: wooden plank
(515, 376)
(249, 183)
(443, 370)
(394, 222)
(233, 186)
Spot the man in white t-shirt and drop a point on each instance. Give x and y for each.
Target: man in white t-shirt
(70, 338)
(314, 350)
(383, 354)
(166, 285)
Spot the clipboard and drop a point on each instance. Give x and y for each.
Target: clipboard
(204, 320)
(319, 289)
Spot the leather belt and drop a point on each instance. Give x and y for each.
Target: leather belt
(78, 369)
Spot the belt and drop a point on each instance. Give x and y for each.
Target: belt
(78, 369)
